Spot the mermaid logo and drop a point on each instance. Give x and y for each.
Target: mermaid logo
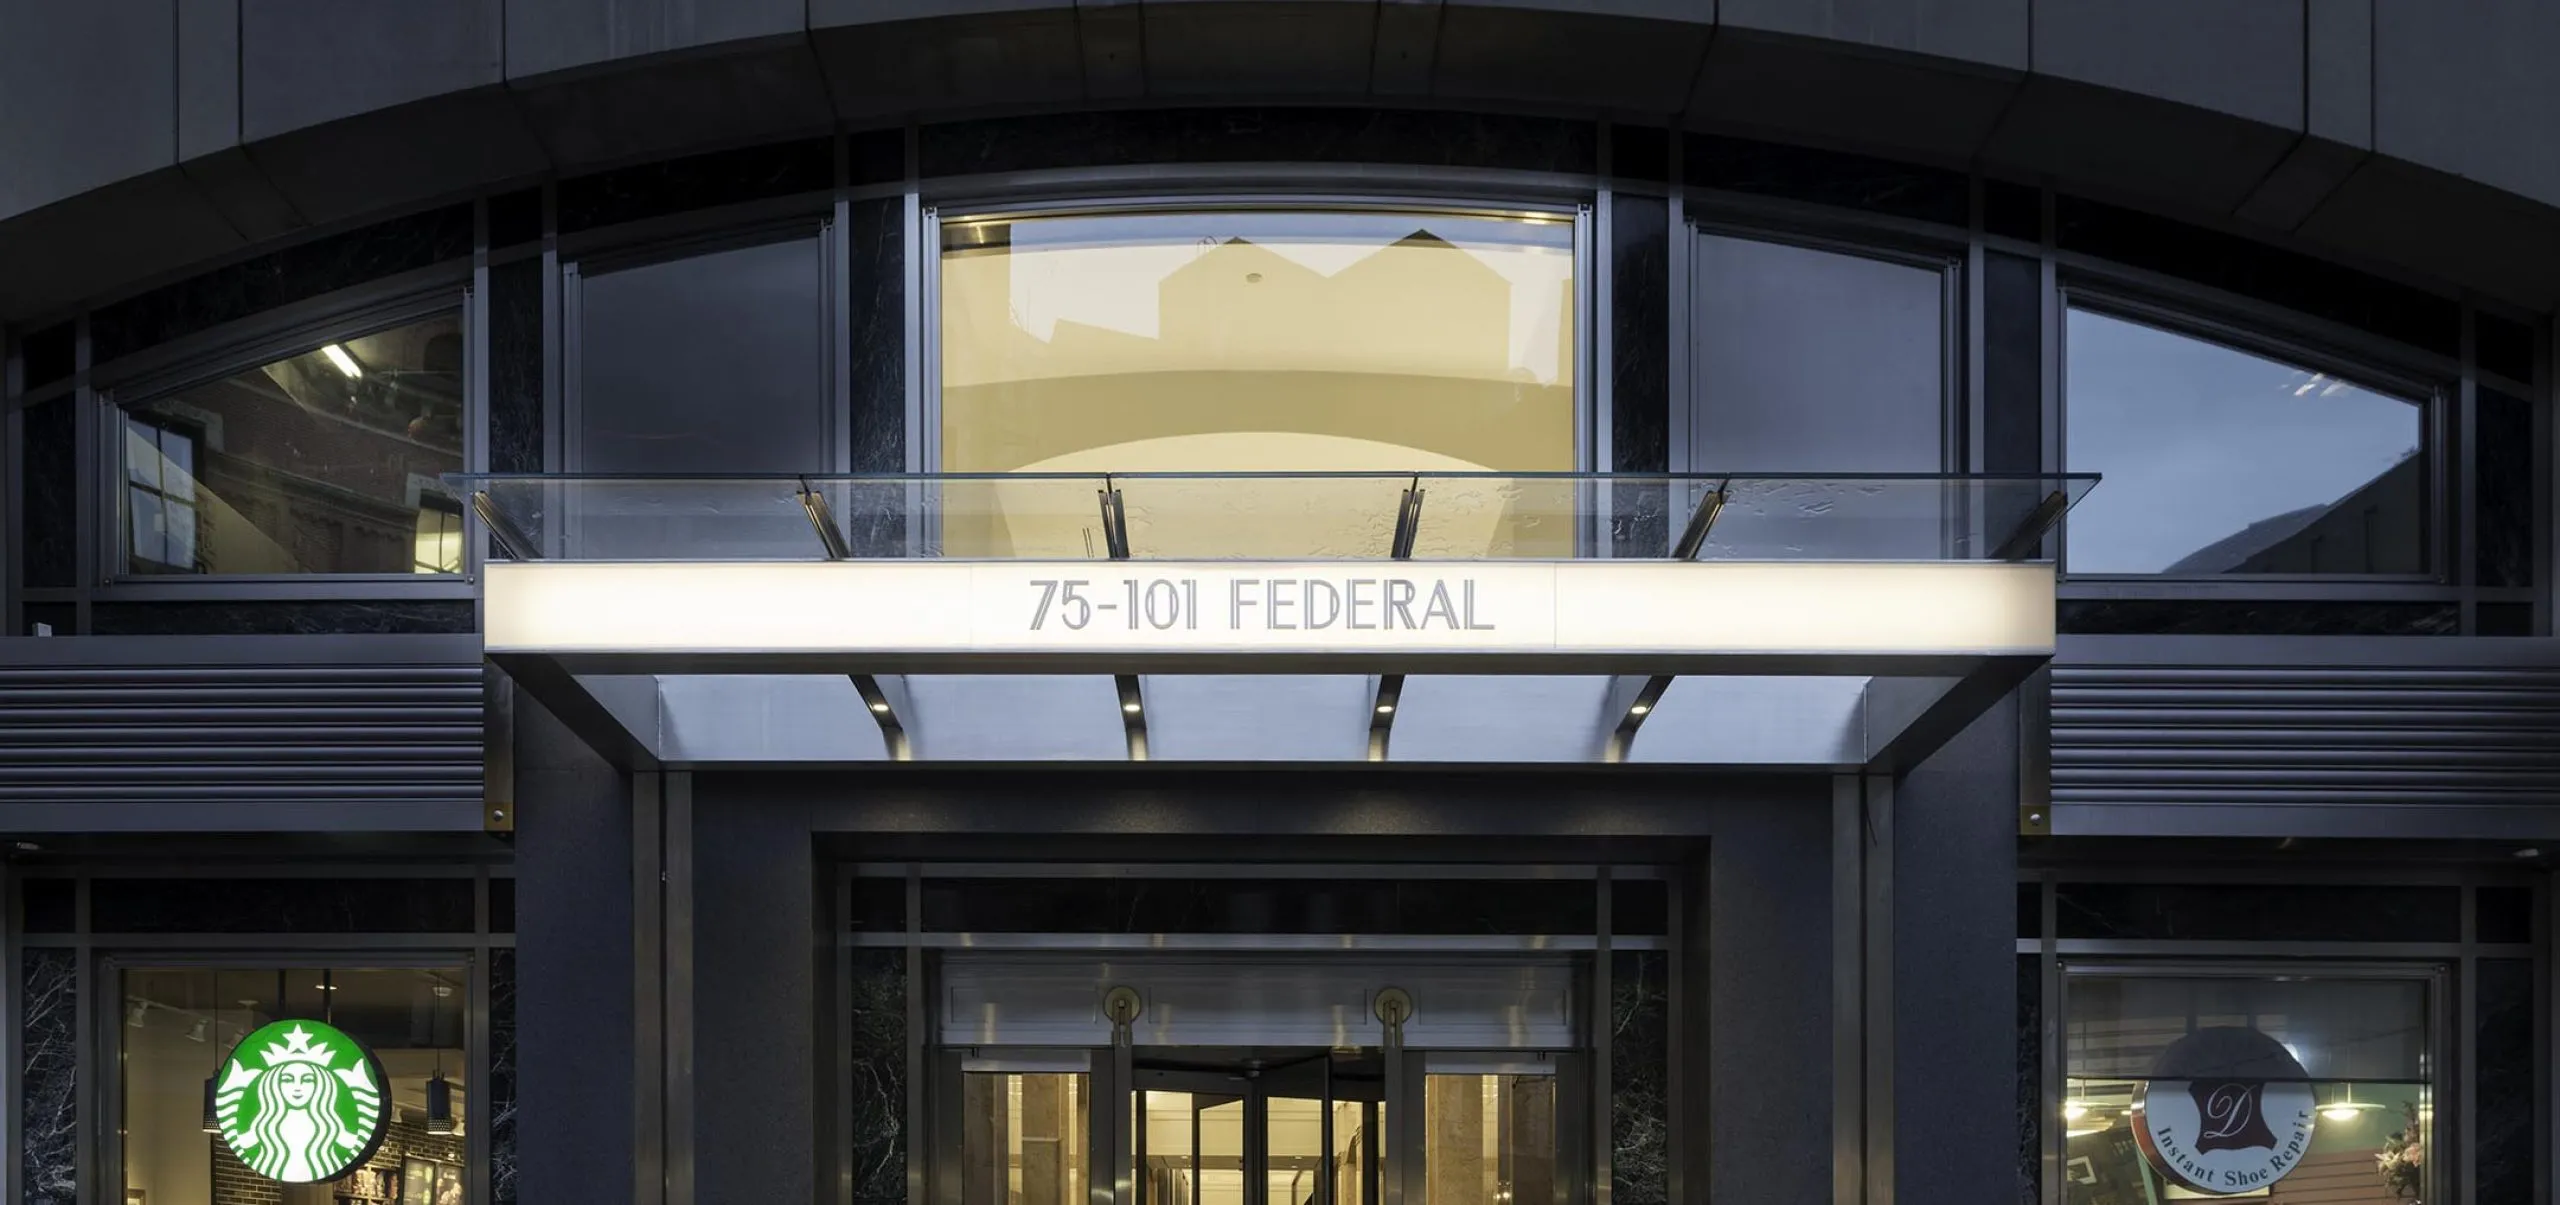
(300, 1102)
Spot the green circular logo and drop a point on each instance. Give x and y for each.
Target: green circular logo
(300, 1102)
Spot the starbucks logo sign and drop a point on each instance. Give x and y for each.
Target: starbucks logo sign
(2226, 1111)
(300, 1102)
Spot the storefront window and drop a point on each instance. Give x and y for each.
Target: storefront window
(323, 462)
(2298, 1088)
(1251, 340)
(2219, 462)
(200, 1127)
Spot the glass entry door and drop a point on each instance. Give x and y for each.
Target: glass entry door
(1301, 1128)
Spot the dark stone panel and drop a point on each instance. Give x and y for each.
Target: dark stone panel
(1640, 1077)
(88, 96)
(1277, 135)
(1822, 177)
(1640, 907)
(876, 157)
(515, 366)
(502, 904)
(2221, 912)
(280, 278)
(751, 173)
(2502, 346)
(2504, 914)
(2030, 910)
(2504, 479)
(2030, 1080)
(2012, 364)
(876, 240)
(280, 906)
(2508, 1110)
(49, 355)
(574, 986)
(1768, 905)
(48, 1099)
(2251, 269)
(1640, 153)
(2505, 619)
(280, 618)
(1640, 324)
(502, 1074)
(515, 217)
(1954, 853)
(51, 905)
(2162, 617)
(754, 911)
(307, 62)
(50, 491)
(2013, 210)
(879, 1076)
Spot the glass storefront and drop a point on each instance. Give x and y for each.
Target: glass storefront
(2360, 1039)
(197, 1044)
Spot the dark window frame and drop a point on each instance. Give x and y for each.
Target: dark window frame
(134, 386)
(2432, 387)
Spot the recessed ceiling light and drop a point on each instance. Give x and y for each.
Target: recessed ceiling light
(1386, 709)
(1131, 708)
(1640, 709)
(882, 708)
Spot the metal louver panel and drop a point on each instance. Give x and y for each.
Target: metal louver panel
(2445, 738)
(241, 734)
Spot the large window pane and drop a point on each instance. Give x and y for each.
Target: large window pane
(1816, 362)
(179, 1025)
(2362, 1042)
(708, 364)
(323, 462)
(2219, 462)
(1253, 340)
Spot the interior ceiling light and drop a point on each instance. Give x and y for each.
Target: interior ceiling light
(2075, 1110)
(2346, 1106)
(345, 363)
(1131, 708)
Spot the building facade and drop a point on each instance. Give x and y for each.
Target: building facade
(1280, 602)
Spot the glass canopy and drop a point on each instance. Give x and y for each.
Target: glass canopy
(1265, 516)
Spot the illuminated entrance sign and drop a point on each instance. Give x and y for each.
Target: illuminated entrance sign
(1148, 611)
(300, 1102)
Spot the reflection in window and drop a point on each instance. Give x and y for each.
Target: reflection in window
(324, 462)
(160, 494)
(1252, 340)
(2362, 1042)
(179, 1023)
(1491, 1139)
(2219, 462)
(1023, 1139)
